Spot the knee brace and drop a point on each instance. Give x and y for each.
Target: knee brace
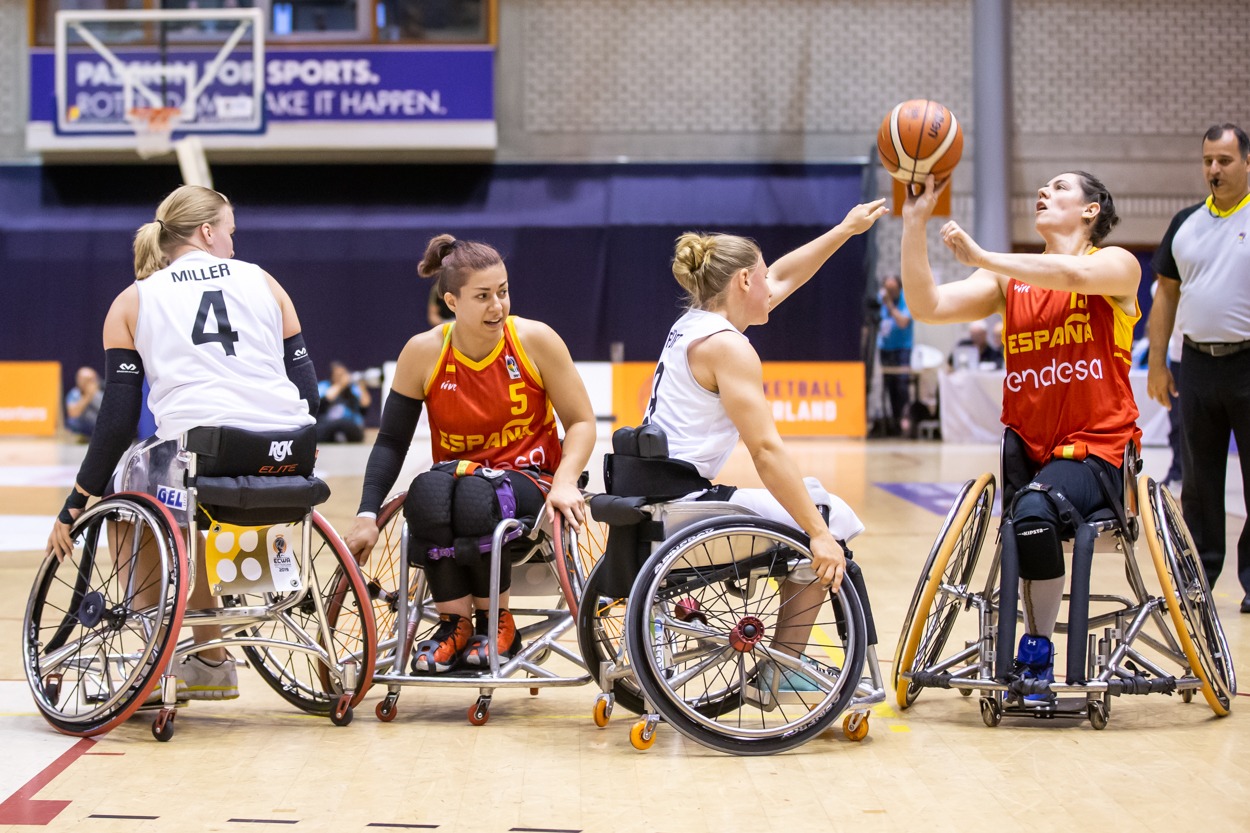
(428, 510)
(482, 500)
(1039, 549)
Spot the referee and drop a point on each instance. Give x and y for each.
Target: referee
(1203, 266)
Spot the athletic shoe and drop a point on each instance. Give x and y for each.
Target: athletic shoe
(791, 687)
(199, 679)
(441, 652)
(1035, 660)
(477, 652)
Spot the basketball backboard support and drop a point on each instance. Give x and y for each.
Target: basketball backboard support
(160, 76)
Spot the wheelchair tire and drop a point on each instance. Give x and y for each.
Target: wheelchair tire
(951, 563)
(1187, 595)
(381, 570)
(698, 627)
(601, 636)
(91, 657)
(574, 555)
(298, 676)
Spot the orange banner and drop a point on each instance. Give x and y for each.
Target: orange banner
(30, 398)
(807, 399)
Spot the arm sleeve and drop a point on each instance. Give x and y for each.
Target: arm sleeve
(299, 369)
(119, 415)
(399, 423)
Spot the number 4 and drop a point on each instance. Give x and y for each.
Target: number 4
(214, 301)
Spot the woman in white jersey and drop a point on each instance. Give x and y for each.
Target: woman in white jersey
(219, 343)
(709, 390)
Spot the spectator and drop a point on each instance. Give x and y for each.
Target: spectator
(979, 352)
(82, 403)
(894, 343)
(343, 404)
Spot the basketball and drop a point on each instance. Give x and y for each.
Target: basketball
(918, 138)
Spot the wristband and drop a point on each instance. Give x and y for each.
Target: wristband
(76, 500)
(373, 516)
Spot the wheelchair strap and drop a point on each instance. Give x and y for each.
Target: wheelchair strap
(498, 478)
(1114, 501)
(1069, 517)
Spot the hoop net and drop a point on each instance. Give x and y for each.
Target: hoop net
(154, 128)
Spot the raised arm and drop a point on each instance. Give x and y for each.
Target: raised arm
(568, 396)
(740, 381)
(977, 296)
(793, 270)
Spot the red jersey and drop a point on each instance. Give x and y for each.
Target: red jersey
(1067, 389)
(494, 411)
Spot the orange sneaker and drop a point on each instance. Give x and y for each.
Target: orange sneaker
(477, 653)
(441, 652)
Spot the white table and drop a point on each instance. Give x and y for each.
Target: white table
(971, 406)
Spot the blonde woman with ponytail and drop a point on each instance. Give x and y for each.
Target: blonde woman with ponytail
(709, 391)
(220, 345)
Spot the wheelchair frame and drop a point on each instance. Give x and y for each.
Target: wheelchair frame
(645, 651)
(405, 608)
(1100, 666)
(129, 675)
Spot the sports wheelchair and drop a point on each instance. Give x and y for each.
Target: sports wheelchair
(1139, 644)
(102, 628)
(547, 559)
(682, 619)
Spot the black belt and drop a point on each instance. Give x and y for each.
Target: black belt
(1216, 348)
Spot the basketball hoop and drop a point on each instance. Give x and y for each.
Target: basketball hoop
(154, 128)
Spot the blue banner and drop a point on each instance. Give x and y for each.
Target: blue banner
(395, 84)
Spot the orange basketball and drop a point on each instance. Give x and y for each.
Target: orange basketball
(919, 138)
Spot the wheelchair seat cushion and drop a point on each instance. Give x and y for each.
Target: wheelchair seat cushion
(254, 500)
(231, 452)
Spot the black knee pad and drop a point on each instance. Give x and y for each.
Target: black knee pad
(476, 509)
(428, 509)
(1039, 550)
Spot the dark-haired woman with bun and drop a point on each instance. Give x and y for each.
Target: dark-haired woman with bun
(1068, 318)
(492, 385)
(709, 392)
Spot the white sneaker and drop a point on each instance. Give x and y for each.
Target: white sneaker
(199, 679)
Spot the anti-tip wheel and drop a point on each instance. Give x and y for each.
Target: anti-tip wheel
(855, 726)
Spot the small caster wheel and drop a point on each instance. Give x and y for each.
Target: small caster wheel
(991, 712)
(387, 709)
(163, 725)
(341, 715)
(603, 710)
(855, 726)
(966, 692)
(1098, 715)
(479, 713)
(1187, 695)
(642, 735)
(533, 692)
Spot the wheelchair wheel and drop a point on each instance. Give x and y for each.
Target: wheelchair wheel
(348, 633)
(951, 563)
(381, 569)
(575, 553)
(1187, 595)
(101, 627)
(702, 629)
(601, 636)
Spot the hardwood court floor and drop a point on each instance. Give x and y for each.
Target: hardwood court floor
(541, 764)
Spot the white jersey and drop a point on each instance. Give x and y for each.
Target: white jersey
(210, 335)
(699, 431)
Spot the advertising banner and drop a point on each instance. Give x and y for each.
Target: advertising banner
(807, 399)
(30, 398)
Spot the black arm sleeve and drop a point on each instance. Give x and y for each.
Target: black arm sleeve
(399, 421)
(300, 370)
(119, 415)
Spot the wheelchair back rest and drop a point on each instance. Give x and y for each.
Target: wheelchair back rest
(1129, 471)
(255, 478)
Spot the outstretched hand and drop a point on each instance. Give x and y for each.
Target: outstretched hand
(860, 218)
(922, 200)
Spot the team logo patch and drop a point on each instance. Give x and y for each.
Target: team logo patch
(301, 353)
(514, 372)
(173, 498)
(127, 367)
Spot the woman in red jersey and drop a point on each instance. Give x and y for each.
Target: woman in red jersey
(490, 382)
(1068, 326)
